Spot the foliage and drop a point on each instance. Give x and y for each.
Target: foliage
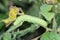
(45, 12)
(50, 36)
(26, 23)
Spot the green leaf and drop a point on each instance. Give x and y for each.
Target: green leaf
(34, 10)
(58, 19)
(6, 36)
(3, 16)
(46, 7)
(2, 24)
(58, 1)
(57, 8)
(48, 15)
(50, 36)
(2, 7)
(54, 24)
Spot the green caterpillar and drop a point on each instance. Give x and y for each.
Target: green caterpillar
(31, 19)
